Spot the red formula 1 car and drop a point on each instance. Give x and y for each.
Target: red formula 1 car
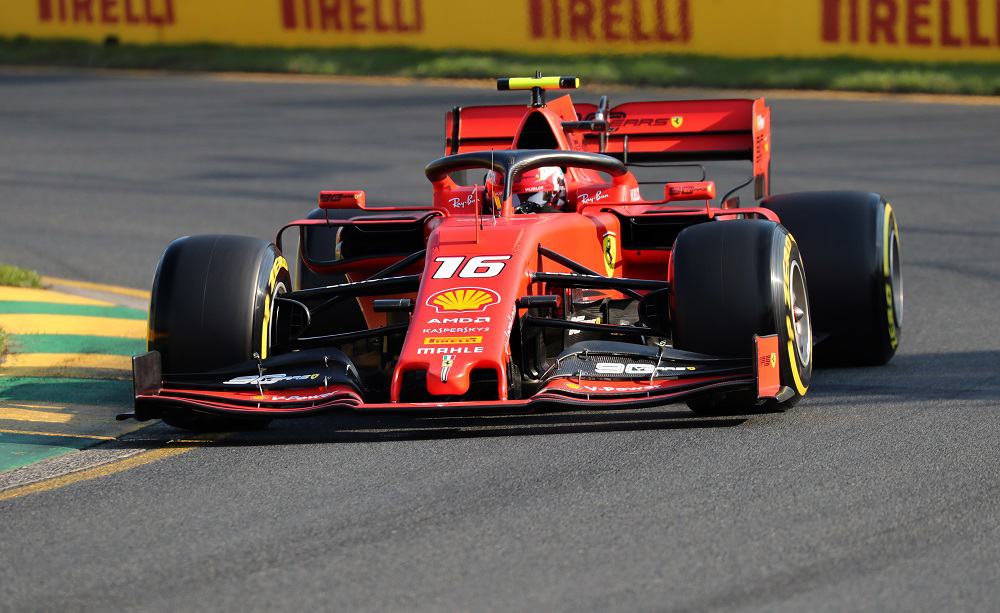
(553, 283)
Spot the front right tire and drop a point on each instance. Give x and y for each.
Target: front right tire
(733, 280)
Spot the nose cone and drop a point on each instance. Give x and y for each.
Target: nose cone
(447, 378)
(460, 329)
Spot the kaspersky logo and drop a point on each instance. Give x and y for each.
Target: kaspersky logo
(463, 299)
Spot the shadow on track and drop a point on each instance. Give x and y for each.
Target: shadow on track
(967, 376)
(962, 375)
(366, 428)
(356, 428)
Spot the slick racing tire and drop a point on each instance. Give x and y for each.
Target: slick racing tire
(850, 246)
(733, 280)
(211, 307)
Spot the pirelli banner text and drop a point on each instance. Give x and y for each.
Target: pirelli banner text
(949, 30)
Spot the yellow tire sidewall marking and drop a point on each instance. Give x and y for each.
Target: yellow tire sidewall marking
(890, 309)
(265, 333)
(792, 353)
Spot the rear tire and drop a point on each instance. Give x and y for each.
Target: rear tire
(732, 280)
(211, 308)
(850, 244)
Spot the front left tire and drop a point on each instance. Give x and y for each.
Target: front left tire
(210, 308)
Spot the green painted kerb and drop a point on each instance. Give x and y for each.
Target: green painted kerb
(17, 450)
(83, 310)
(71, 343)
(96, 392)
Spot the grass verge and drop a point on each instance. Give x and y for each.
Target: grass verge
(658, 70)
(16, 277)
(12, 276)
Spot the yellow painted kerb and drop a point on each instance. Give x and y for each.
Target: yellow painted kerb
(100, 287)
(93, 437)
(42, 417)
(20, 323)
(69, 360)
(24, 294)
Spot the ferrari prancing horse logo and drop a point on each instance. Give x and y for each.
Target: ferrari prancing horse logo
(447, 361)
(610, 245)
(677, 121)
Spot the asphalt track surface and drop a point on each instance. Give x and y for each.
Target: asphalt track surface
(880, 491)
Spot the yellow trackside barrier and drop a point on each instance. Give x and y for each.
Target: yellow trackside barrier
(925, 30)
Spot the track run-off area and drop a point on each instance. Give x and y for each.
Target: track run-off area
(881, 490)
(65, 343)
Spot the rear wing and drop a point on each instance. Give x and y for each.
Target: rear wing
(668, 131)
(481, 128)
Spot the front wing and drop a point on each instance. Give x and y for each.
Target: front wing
(156, 397)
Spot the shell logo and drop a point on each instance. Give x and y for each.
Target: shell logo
(463, 299)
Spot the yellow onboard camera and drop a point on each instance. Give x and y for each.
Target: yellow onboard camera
(538, 85)
(524, 83)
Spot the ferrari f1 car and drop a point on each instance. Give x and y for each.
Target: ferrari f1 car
(490, 298)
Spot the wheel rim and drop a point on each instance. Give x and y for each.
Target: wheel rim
(896, 278)
(801, 318)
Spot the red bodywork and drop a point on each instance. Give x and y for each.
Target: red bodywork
(478, 265)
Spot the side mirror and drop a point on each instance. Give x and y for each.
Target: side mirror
(690, 190)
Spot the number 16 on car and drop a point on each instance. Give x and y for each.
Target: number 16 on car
(477, 267)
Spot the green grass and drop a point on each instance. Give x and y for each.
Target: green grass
(12, 276)
(657, 70)
(17, 277)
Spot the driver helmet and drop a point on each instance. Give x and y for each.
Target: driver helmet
(540, 190)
